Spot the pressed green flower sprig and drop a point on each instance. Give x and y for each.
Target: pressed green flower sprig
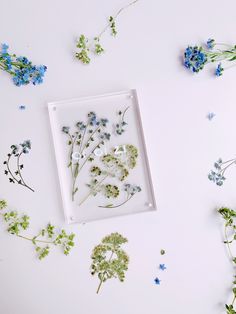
(44, 240)
(85, 144)
(218, 174)
(109, 260)
(87, 46)
(15, 175)
(196, 57)
(116, 165)
(22, 70)
(130, 190)
(229, 216)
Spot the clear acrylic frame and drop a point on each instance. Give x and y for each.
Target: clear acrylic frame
(102, 165)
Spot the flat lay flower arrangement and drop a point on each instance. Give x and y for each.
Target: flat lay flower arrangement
(84, 141)
(108, 167)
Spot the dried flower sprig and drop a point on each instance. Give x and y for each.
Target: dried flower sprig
(196, 57)
(130, 190)
(88, 138)
(109, 260)
(86, 46)
(15, 176)
(119, 127)
(22, 70)
(218, 174)
(44, 240)
(115, 165)
(229, 217)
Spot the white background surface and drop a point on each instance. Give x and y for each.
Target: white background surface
(182, 146)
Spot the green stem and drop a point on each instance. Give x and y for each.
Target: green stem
(107, 206)
(115, 17)
(90, 193)
(31, 239)
(227, 243)
(101, 280)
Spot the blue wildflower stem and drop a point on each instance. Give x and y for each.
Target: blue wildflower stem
(21, 180)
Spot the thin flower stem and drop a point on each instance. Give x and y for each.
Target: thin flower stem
(227, 243)
(107, 206)
(101, 280)
(115, 17)
(89, 156)
(82, 140)
(223, 170)
(92, 134)
(18, 167)
(31, 239)
(96, 186)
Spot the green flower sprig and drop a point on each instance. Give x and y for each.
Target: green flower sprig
(16, 176)
(86, 46)
(115, 165)
(109, 260)
(130, 190)
(88, 137)
(44, 240)
(229, 216)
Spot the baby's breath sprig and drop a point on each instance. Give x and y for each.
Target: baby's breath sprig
(130, 190)
(119, 127)
(218, 174)
(44, 240)
(87, 46)
(116, 165)
(229, 216)
(88, 137)
(17, 151)
(109, 260)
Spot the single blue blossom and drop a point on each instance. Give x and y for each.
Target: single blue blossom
(4, 48)
(162, 266)
(157, 281)
(219, 70)
(22, 107)
(210, 43)
(210, 115)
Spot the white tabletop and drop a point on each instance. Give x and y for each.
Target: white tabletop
(182, 146)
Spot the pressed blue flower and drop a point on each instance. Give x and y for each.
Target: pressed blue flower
(65, 129)
(195, 58)
(4, 48)
(80, 125)
(21, 69)
(210, 115)
(219, 70)
(157, 281)
(162, 266)
(210, 43)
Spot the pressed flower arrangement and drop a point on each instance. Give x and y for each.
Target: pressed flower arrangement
(22, 70)
(15, 174)
(197, 57)
(88, 145)
(45, 238)
(87, 46)
(109, 260)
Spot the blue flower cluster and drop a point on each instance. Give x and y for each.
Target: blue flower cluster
(21, 69)
(195, 58)
(216, 175)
